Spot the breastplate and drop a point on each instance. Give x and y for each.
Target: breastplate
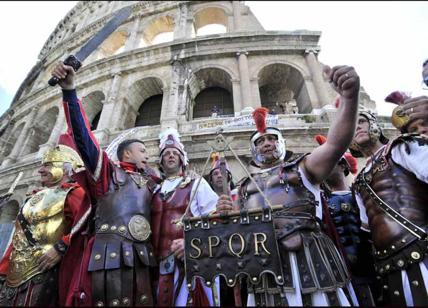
(166, 210)
(403, 192)
(282, 185)
(44, 213)
(125, 209)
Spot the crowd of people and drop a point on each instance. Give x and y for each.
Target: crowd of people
(103, 232)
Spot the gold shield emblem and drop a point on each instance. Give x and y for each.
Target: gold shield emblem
(139, 228)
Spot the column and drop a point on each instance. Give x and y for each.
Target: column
(109, 103)
(183, 23)
(236, 16)
(245, 79)
(171, 99)
(255, 93)
(17, 148)
(132, 41)
(317, 77)
(237, 101)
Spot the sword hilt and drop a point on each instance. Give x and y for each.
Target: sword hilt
(71, 61)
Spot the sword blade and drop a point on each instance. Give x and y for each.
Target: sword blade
(105, 32)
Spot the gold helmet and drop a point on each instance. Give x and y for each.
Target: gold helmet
(57, 157)
(63, 154)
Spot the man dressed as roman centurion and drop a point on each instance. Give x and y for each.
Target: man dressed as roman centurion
(392, 187)
(314, 272)
(180, 195)
(37, 265)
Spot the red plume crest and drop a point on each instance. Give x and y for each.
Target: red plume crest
(397, 97)
(320, 139)
(352, 162)
(259, 116)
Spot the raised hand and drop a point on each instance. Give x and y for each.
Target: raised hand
(344, 80)
(65, 74)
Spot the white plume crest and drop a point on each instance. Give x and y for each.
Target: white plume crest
(163, 136)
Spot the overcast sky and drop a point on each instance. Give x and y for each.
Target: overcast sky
(386, 42)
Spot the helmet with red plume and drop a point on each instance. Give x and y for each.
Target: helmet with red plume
(259, 116)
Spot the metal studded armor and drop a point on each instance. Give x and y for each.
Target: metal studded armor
(356, 244)
(167, 209)
(122, 253)
(346, 217)
(39, 225)
(298, 230)
(396, 204)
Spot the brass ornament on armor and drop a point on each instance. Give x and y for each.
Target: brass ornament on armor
(44, 213)
(139, 228)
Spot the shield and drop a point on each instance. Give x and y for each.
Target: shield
(240, 244)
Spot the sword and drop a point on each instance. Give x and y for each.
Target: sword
(9, 193)
(75, 61)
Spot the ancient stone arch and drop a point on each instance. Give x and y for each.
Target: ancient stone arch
(210, 90)
(8, 145)
(40, 131)
(93, 105)
(282, 89)
(9, 211)
(157, 30)
(146, 90)
(113, 45)
(211, 15)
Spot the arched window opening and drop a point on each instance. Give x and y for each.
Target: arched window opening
(93, 105)
(211, 29)
(7, 148)
(159, 30)
(163, 38)
(214, 101)
(144, 102)
(150, 111)
(282, 90)
(95, 121)
(210, 21)
(41, 131)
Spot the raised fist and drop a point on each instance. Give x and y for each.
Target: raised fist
(344, 80)
(65, 74)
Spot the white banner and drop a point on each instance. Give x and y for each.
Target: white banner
(241, 121)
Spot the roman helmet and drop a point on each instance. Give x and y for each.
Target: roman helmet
(171, 139)
(375, 133)
(398, 118)
(259, 116)
(215, 164)
(60, 154)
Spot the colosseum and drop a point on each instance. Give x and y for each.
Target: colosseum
(164, 67)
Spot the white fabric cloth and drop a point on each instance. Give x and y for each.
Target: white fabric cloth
(205, 200)
(203, 203)
(406, 283)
